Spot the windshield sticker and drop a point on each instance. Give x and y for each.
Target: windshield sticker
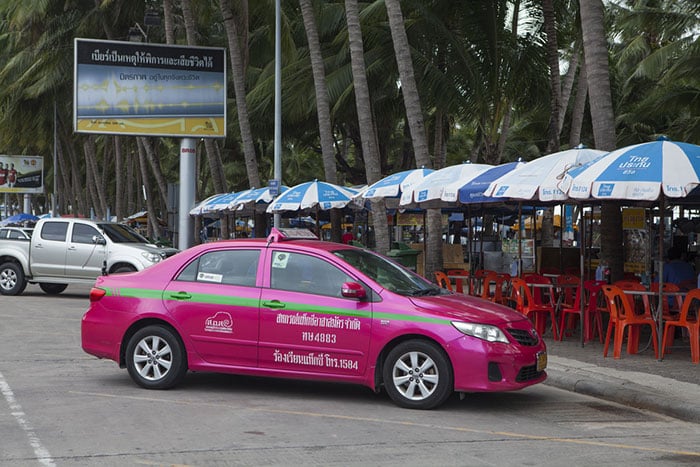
(279, 261)
(209, 277)
(220, 322)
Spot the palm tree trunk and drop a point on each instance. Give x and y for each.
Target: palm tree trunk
(118, 179)
(238, 76)
(364, 117)
(153, 227)
(603, 119)
(578, 110)
(323, 107)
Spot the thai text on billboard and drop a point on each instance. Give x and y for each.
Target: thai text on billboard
(131, 88)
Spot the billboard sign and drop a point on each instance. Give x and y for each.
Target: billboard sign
(131, 88)
(21, 174)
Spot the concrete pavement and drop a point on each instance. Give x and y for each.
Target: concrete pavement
(670, 386)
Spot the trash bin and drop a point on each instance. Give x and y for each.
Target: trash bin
(405, 256)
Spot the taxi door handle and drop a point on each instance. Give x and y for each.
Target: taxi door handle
(180, 296)
(274, 304)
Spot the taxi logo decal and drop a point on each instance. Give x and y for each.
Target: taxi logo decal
(220, 322)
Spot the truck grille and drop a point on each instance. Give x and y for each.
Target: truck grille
(524, 337)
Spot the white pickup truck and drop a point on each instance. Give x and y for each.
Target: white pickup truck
(64, 251)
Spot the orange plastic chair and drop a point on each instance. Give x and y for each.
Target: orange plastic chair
(684, 320)
(478, 279)
(642, 308)
(622, 316)
(671, 307)
(502, 293)
(489, 286)
(465, 277)
(569, 302)
(595, 306)
(543, 295)
(526, 304)
(442, 280)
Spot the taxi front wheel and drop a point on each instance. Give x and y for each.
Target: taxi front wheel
(155, 358)
(418, 375)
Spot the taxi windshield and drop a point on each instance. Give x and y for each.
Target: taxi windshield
(387, 274)
(120, 233)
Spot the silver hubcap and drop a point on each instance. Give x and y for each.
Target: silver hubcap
(8, 279)
(153, 358)
(415, 376)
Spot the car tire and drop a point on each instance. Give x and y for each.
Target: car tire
(122, 269)
(418, 375)
(156, 358)
(52, 289)
(12, 280)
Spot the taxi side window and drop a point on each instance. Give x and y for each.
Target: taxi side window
(304, 273)
(229, 267)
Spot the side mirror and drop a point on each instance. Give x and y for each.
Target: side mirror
(353, 290)
(99, 240)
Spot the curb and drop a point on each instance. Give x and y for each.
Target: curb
(624, 392)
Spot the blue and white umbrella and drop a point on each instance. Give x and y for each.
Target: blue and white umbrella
(541, 179)
(309, 195)
(640, 173)
(439, 189)
(391, 187)
(250, 198)
(472, 192)
(213, 204)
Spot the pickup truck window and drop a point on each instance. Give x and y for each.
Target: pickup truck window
(120, 233)
(54, 231)
(83, 233)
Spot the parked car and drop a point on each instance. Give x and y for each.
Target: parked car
(298, 307)
(63, 251)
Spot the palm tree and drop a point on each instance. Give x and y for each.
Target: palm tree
(603, 119)
(414, 114)
(366, 125)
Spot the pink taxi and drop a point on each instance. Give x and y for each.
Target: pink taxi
(301, 308)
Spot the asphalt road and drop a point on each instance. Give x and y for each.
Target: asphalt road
(60, 406)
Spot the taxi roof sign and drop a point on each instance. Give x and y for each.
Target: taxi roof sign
(280, 234)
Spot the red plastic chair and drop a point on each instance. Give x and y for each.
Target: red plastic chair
(442, 280)
(538, 312)
(595, 306)
(569, 302)
(622, 316)
(691, 303)
(672, 306)
(465, 277)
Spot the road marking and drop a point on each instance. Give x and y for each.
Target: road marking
(583, 442)
(42, 454)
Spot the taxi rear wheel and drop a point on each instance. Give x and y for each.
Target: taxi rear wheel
(155, 358)
(418, 375)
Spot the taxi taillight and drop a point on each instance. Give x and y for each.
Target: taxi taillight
(96, 293)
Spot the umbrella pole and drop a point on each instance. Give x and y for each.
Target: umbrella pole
(660, 305)
(582, 270)
(520, 239)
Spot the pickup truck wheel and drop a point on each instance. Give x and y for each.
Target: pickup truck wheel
(156, 358)
(124, 269)
(12, 281)
(52, 289)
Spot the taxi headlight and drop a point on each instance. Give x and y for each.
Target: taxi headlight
(481, 331)
(151, 257)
